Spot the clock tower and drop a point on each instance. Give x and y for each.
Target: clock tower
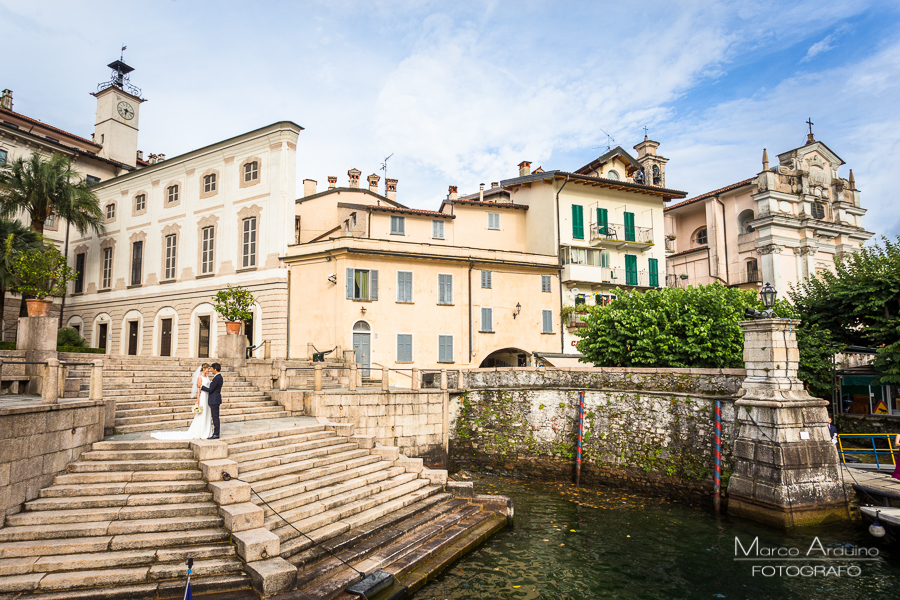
(118, 108)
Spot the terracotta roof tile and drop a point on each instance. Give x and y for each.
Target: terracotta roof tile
(415, 211)
(42, 124)
(727, 188)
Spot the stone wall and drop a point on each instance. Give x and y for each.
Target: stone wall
(416, 421)
(37, 442)
(648, 428)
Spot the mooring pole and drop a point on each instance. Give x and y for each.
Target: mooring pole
(717, 452)
(580, 437)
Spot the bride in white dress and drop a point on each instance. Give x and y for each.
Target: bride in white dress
(201, 427)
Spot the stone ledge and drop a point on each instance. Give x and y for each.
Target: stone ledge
(212, 469)
(256, 544)
(435, 476)
(242, 517)
(412, 465)
(209, 449)
(387, 452)
(272, 575)
(229, 492)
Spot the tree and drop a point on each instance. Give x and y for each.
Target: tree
(43, 186)
(15, 238)
(859, 303)
(669, 327)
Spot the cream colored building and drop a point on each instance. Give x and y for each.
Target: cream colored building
(406, 287)
(781, 226)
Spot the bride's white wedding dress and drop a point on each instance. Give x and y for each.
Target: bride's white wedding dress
(201, 427)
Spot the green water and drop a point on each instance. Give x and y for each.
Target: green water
(627, 546)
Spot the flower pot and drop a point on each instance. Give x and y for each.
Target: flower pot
(232, 327)
(38, 308)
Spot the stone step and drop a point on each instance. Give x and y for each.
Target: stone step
(167, 379)
(184, 423)
(230, 586)
(168, 488)
(186, 403)
(135, 409)
(276, 455)
(321, 477)
(270, 438)
(224, 411)
(116, 500)
(320, 491)
(97, 466)
(157, 477)
(169, 539)
(141, 445)
(337, 465)
(275, 445)
(50, 516)
(139, 455)
(293, 463)
(111, 527)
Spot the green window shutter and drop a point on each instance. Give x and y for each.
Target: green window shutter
(629, 226)
(654, 272)
(602, 221)
(577, 222)
(631, 274)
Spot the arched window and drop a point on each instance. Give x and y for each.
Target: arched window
(818, 210)
(656, 177)
(700, 237)
(612, 174)
(361, 326)
(744, 220)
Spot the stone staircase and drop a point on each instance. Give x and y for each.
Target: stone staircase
(120, 524)
(153, 394)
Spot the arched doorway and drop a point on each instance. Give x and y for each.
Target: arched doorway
(507, 357)
(362, 344)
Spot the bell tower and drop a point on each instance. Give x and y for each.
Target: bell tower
(654, 165)
(118, 109)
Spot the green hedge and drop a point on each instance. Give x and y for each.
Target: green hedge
(80, 349)
(7, 345)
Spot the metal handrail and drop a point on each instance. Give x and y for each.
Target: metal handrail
(250, 349)
(874, 451)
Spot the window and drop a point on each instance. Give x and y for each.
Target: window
(79, 272)
(140, 202)
(248, 246)
(545, 284)
(486, 280)
(445, 348)
(110, 211)
(3, 155)
(580, 299)
(487, 321)
(493, 220)
(353, 220)
(171, 194)
(137, 262)
(209, 183)
(171, 244)
(577, 221)
(404, 286)
(612, 174)
(629, 227)
(604, 258)
(700, 237)
(437, 229)
(251, 171)
(362, 284)
(602, 222)
(546, 321)
(445, 289)
(50, 221)
(585, 256)
(207, 249)
(753, 275)
(744, 220)
(404, 347)
(653, 267)
(631, 274)
(818, 210)
(91, 180)
(106, 276)
(398, 225)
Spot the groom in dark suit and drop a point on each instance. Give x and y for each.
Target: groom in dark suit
(214, 398)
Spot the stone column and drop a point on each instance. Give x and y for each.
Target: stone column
(50, 388)
(415, 379)
(317, 377)
(37, 336)
(232, 350)
(354, 375)
(786, 469)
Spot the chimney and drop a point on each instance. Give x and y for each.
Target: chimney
(495, 184)
(852, 181)
(332, 182)
(160, 157)
(6, 100)
(481, 192)
(152, 159)
(524, 168)
(354, 177)
(390, 186)
(140, 155)
(765, 160)
(452, 194)
(373, 182)
(309, 187)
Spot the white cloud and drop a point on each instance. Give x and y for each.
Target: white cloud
(819, 47)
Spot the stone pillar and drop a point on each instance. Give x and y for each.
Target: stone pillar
(50, 388)
(786, 469)
(385, 379)
(443, 379)
(233, 349)
(415, 379)
(37, 336)
(282, 378)
(317, 377)
(267, 350)
(310, 350)
(354, 374)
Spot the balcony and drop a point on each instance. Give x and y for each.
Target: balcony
(620, 236)
(608, 276)
(751, 276)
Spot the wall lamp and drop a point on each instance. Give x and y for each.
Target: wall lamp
(517, 310)
(333, 278)
(363, 310)
(767, 295)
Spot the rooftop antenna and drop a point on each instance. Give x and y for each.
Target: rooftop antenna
(384, 168)
(610, 140)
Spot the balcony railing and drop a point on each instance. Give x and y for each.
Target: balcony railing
(621, 236)
(745, 276)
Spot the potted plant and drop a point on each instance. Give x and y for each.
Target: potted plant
(566, 312)
(671, 236)
(40, 273)
(233, 303)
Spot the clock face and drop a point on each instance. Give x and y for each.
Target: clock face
(126, 111)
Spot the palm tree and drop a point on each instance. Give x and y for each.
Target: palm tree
(44, 186)
(14, 238)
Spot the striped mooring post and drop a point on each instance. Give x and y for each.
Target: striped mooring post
(580, 438)
(717, 453)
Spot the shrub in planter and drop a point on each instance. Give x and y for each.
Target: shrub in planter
(41, 273)
(70, 338)
(234, 303)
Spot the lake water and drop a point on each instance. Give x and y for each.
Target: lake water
(607, 543)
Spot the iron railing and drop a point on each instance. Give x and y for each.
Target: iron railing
(622, 233)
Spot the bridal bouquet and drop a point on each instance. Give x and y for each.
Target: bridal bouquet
(197, 409)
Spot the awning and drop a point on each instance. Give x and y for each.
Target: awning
(565, 362)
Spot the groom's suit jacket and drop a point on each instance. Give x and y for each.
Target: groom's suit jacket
(214, 390)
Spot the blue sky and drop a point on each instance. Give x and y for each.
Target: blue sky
(460, 93)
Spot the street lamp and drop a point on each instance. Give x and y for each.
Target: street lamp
(767, 295)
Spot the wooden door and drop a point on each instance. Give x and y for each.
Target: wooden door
(102, 335)
(132, 338)
(203, 341)
(165, 342)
